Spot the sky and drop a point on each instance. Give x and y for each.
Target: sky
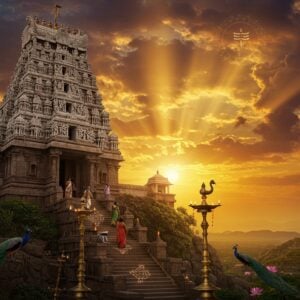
(197, 89)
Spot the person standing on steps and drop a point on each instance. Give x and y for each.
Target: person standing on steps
(87, 197)
(121, 233)
(69, 189)
(107, 192)
(115, 213)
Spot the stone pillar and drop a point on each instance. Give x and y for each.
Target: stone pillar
(117, 167)
(139, 232)
(13, 162)
(98, 187)
(109, 167)
(128, 218)
(78, 180)
(92, 171)
(54, 166)
(112, 173)
(56, 192)
(92, 178)
(7, 172)
(159, 248)
(174, 266)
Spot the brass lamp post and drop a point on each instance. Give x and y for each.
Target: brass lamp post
(81, 289)
(206, 289)
(61, 259)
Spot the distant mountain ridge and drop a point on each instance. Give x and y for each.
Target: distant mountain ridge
(286, 256)
(255, 235)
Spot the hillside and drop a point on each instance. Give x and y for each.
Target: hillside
(285, 256)
(257, 235)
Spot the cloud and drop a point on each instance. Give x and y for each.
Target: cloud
(149, 125)
(240, 121)
(230, 149)
(156, 60)
(293, 179)
(281, 131)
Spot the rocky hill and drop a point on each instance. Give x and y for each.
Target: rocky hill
(285, 256)
(29, 267)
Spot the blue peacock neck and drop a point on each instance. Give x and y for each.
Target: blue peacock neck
(25, 238)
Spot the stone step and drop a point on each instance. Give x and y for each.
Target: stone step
(143, 289)
(152, 286)
(158, 286)
(157, 279)
(162, 294)
(125, 267)
(161, 297)
(124, 264)
(153, 274)
(127, 256)
(130, 253)
(135, 261)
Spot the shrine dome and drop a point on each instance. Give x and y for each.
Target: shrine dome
(158, 179)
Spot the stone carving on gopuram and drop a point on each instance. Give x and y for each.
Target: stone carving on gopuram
(53, 125)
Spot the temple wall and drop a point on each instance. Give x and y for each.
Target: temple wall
(134, 190)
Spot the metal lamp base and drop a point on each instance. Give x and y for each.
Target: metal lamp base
(80, 291)
(206, 291)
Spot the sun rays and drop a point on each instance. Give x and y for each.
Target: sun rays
(190, 103)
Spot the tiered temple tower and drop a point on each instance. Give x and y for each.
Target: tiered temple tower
(52, 121)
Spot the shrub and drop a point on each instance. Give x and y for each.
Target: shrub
(173, 225)
(16, 215)
(29, 292)
(227, 294)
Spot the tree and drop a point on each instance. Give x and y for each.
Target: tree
(16, 215)
(174, 226)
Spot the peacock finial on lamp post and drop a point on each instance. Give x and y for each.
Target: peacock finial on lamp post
(206, 289)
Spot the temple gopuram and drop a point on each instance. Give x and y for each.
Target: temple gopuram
(53, 125)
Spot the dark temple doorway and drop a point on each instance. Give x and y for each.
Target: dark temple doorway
(70, 168)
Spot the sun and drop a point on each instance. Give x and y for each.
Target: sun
(172, 175)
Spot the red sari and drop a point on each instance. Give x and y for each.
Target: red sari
(121, 234)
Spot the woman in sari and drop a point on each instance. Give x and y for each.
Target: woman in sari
(121, 233)
(115, 213)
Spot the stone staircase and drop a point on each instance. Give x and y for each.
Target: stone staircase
(143, 274)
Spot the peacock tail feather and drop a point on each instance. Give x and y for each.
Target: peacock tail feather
(3, 249)
(271, 279)
(9, 246)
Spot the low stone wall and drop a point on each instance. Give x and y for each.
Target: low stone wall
(134, 190)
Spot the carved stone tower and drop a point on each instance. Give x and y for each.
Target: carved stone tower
(52, 123)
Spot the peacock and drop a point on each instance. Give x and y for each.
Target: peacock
(11, 245)
(271, 279)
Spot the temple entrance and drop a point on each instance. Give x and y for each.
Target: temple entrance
(72, 168)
